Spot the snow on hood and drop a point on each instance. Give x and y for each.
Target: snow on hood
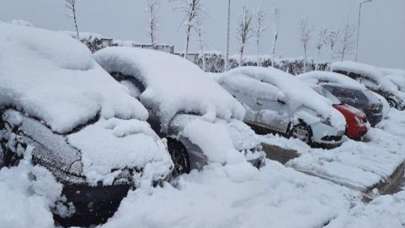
(323, 77)
(117, 144)
(54, 78)
(172, 83)
(221, 141)
(299, 94)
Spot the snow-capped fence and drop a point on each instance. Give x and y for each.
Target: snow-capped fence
(215, 62)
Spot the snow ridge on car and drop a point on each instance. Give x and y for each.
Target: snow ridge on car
(57, 82)
(170, 93)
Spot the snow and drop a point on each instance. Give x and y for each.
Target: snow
(358, 165)
(58, 81)
(172, 83)
(323, 77)
(298, 94)
(119, 144)
(218, 196)
(221, 141)
(385, 211)
(369, 71)
(27, 193)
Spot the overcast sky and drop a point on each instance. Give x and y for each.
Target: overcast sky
(382, 33)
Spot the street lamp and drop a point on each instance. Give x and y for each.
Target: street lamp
(228, 36)
(358, 27)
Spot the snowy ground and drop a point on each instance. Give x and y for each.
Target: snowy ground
(357, 165)
(238, 196)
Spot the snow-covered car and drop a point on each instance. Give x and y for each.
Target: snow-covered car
(348, 91)
(279, 102)
(60, 109)
(201, 121)
(397, 76)
(373, 78)
(356, 120)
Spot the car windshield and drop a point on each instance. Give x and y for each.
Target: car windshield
(347, 95)
(325, 93)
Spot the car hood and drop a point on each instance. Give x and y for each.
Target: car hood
(334, 119)
(116, 144)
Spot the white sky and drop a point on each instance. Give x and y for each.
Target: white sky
(382, 34)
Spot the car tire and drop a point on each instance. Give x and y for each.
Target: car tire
(302, 132)
(180, 158)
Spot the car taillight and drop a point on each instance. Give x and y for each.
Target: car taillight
(358, 121)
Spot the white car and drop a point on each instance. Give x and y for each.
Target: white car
(58, 106)
(278, 102)
(202, 122)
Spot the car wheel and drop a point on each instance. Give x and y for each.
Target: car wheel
(180, 158)
(392, 103)
(301, 132)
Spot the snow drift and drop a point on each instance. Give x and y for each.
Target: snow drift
(172, 84)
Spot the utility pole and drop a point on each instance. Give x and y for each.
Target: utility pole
(358, 28)
(228, 36)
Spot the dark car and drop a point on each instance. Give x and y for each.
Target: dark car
(60, 107)
(373, 78)
(348, 91)
(201, 121)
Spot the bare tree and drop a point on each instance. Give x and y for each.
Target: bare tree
(332, 39)
(322, 41)
(305, 38)
(72, 7)
(193, 10)
(260, 28)
(200, 34)
(244, 32)
(347, 44)
(152, 7)
(275, 38)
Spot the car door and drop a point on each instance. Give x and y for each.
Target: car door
(273, 112)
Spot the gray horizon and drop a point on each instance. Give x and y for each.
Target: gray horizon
(382, 40)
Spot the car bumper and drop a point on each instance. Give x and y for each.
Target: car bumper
(356, 132)
(374, 118)
(92, 205)
(326, 136)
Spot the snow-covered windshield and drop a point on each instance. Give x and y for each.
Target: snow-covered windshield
(53, 77)
(172, 84)
(327, 94)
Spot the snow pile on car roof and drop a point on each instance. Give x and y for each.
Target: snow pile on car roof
(297, 92)
(324, 77)
(363, 69)
(53, 77)
(172, 83)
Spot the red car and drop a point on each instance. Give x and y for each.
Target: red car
(356, 121)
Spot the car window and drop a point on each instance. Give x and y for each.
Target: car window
(347, 95)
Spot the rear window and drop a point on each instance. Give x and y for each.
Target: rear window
(346, 93)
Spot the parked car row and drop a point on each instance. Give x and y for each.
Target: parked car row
(104, 123)
(144, 118)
